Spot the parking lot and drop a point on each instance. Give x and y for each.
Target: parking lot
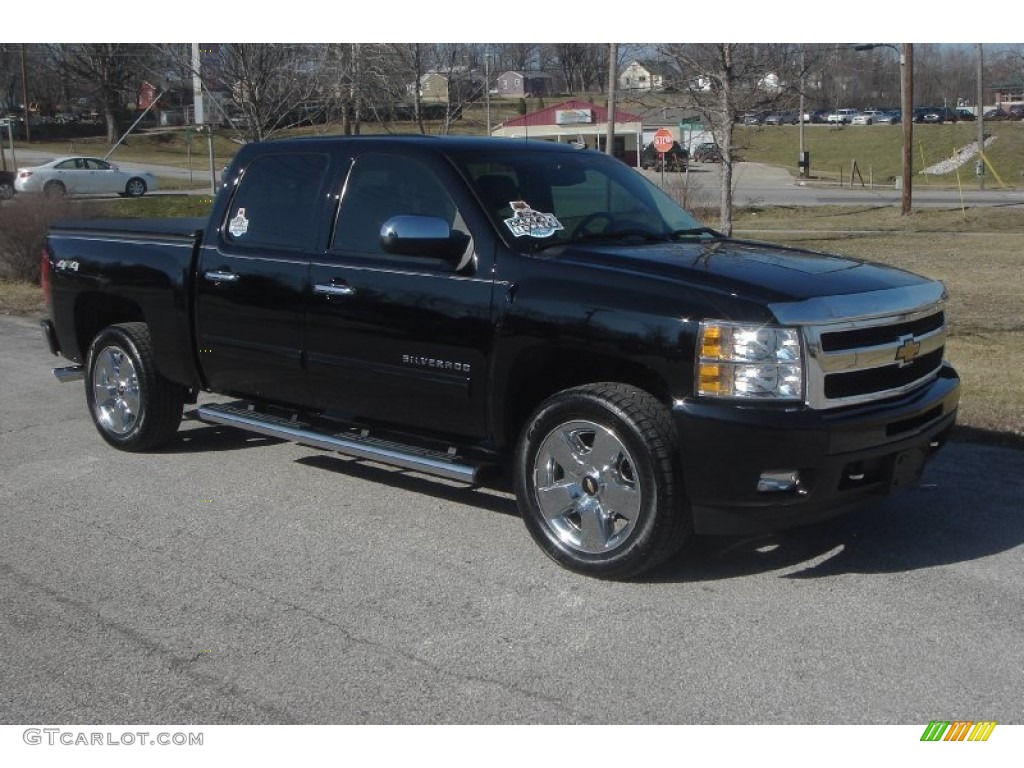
(236, 579)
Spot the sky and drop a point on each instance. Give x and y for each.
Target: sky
(535, 21)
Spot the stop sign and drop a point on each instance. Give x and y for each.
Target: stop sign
(663, 140)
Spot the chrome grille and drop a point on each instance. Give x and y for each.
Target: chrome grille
(872, 359)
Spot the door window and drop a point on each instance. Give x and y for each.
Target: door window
(276, 200)
(381, 186)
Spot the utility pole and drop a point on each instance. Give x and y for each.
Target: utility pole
(907, 118)
(609, 142)
(487, 88)
(980, 101)
(906, 52)
(24, 95)
(804, 168)
(197, 85)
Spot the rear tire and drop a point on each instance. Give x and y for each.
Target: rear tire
(54, 189)
(597, 481)
(132, 405)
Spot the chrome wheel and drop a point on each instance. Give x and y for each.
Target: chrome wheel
(587, 487)
(133, 406)
(596, 480)
(116, 391)
(135, 188)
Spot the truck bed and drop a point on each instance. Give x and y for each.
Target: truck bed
(166, 227)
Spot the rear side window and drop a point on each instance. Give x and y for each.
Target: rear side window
(276, 200)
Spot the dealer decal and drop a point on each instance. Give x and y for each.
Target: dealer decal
(239, 225)
(526, 221)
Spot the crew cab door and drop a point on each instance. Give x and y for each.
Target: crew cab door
(252, 278)
(399, 338)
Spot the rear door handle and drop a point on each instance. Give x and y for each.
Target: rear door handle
(220, 276)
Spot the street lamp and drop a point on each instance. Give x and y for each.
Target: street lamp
(906, 52)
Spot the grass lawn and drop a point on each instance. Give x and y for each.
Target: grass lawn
(977, 257)
(877, 150)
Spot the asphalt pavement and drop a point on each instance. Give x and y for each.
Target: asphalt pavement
(759, 184)
(236, 579)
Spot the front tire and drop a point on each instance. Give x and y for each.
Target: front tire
(597, 481)
(132, 405)
(135, 187)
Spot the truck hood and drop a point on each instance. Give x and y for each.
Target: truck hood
(763, 272)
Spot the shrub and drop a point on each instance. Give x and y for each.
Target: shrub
(23, 225)
(699, 201)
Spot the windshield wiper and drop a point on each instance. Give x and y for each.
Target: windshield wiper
(619, 234)
(676, 233)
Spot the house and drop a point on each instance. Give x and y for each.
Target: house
(582, 124)
(527, 82)
(456, 86)
(648, 76)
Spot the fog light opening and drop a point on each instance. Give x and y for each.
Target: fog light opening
(779, 481)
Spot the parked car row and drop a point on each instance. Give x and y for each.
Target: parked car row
(1015, 112)
(875, 116)
(672, 160)
(708, 152)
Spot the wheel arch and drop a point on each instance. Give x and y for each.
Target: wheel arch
(539, 373)
(95, 311)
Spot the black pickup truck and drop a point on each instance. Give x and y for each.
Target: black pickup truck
(456, 306)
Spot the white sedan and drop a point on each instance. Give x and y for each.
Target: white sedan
(83, 176)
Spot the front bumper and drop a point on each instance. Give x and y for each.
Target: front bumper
(844, 457)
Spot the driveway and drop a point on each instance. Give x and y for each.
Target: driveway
(236, 579)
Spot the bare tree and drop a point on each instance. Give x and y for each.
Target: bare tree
(274, 85)
(110, 71)
(725, 80)
(515, 56)
(412, 60)
(10, 77)
(584, 65)
(461, 65)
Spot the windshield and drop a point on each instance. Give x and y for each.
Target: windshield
(543, 199)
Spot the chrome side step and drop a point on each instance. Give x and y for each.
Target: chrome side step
(351, 443)
(69, 373)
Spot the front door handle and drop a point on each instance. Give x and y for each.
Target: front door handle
(219, 276)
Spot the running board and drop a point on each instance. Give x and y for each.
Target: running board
(354, 442)
(69, 373)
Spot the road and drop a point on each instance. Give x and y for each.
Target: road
(759, 184)
(236, 579)
(755, 184)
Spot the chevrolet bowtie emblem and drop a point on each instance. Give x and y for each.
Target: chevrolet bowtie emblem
(907, 350)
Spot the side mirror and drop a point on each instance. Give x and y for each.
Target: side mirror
(422, 236)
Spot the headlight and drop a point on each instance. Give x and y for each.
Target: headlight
(749, 361)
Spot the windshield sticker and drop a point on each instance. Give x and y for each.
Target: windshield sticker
(239, 225)
(526, 221)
